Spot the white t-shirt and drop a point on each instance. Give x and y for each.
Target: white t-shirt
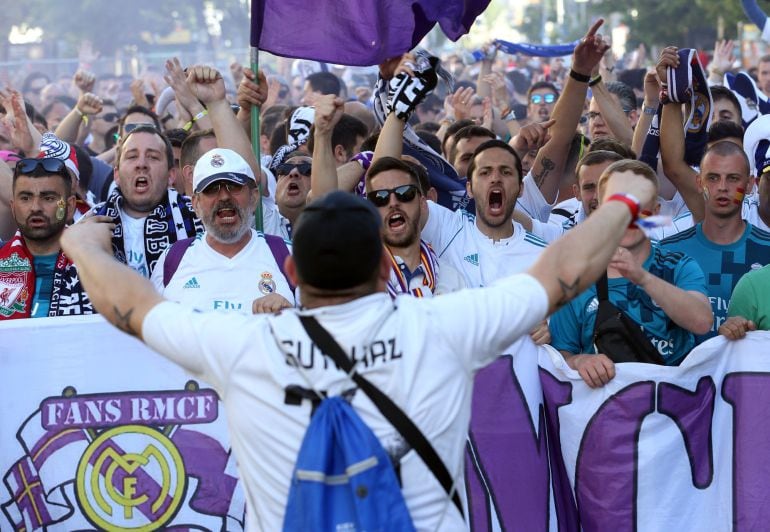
(481, 260)
(133, 242)
(273, 222)
(207, 280)
(421, 352)
(532, 201)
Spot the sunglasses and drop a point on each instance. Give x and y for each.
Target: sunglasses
(540, 98)
(47, 165)
(109, 117)
(404, 194)
(128, 128)
(302, 168)
(214, 188)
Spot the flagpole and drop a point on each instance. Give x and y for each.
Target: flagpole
(254, 52)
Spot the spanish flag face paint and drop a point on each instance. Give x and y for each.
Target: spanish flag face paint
(740, 193)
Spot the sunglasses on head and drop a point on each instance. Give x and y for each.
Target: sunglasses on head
(214, 188)
(46, 165)
(540, 98)
(109, 117)
(128, 128)
(404, 194)
(302, 168)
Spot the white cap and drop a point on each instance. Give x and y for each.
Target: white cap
(221, 164)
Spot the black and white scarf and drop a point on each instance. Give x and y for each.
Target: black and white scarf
(172, 219)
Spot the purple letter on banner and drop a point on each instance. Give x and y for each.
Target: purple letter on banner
(749, 395)
(507, 456)
(555, 395)
(692, 412)
(605, 473)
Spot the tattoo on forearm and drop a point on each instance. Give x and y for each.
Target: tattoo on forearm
(123, 320)
(547, 165)
(568, 291)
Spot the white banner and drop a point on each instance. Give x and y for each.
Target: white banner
(98, 432)
(657, 449)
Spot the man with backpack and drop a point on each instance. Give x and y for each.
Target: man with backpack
(230, 266)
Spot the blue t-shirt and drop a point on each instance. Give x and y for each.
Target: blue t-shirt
(572, 327)
(723, 265)
(44, 267)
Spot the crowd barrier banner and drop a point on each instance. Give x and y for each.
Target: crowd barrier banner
(658, 448)
(97, 432)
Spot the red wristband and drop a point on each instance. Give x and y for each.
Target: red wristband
(631, 202)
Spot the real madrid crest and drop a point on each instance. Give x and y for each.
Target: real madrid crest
(266, 284)
(217, 161)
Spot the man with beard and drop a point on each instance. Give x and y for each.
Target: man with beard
(230, 266)
(149, 216)
(36, 279)
(394, 188)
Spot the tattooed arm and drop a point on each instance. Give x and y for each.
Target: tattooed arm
(549, 166)
(575, 261)
(120, 294)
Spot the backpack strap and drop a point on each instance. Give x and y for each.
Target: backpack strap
(280, 251)
(386, 406)
(174, 257)
(602, 288)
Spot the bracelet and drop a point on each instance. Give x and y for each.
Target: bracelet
(199, 115)
(577, 76)
(510, 116)
(596, 80)
(188, 126)
(631, 202)
(83, 116)
(650, 110)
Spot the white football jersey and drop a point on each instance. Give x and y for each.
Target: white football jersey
(481, 260)
(421, 352)
(207, 280)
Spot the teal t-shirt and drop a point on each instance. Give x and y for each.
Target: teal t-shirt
(572, 327)
(44, 267)
(723, 265)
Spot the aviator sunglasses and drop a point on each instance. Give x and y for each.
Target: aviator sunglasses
(537, 99)
(404, 194)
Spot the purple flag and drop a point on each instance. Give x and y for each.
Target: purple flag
(355, 32)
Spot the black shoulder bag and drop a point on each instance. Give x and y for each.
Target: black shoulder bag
(618, 336)
(386, 406)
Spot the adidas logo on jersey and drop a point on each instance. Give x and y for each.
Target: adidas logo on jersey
(192, 283)
(473, 259)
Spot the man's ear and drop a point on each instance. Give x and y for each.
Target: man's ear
(469, 188)
(290, 267)
(340, 155)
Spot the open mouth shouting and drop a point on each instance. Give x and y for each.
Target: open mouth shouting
(226, 214)
(495, 201)
(293, 189)
(142, 184)
(396, 222)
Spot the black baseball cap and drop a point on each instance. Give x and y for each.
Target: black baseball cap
(336, 242)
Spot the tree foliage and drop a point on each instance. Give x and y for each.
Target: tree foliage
(684, 23)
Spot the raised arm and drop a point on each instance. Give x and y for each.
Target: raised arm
(672, 145)
(323, 175)
(120, 294)
(207, 85)
(649, 109)
(575, 261)
(548, 167)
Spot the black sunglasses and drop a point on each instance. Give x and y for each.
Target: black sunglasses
(46, 165)
(539, 98)
(214, 188)
(109, 117)
(404, 194)
(302, 168)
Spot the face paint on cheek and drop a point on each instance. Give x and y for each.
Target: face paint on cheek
(706, 194)
(61, 210)
(739, 195)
